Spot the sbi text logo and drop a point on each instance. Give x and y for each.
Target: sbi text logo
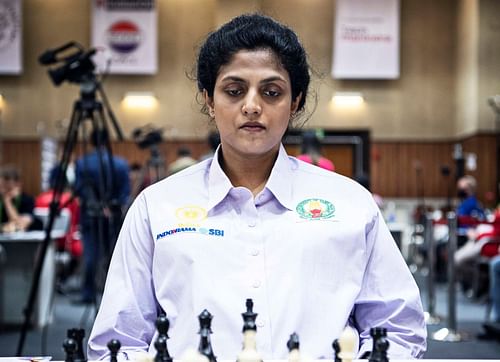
(124, 36)
(194, 230)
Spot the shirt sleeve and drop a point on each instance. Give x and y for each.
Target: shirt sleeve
(389, 298)
(128, 307)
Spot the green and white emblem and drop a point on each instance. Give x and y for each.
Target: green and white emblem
(315, 209)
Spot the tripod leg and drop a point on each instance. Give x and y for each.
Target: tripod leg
(71, 138)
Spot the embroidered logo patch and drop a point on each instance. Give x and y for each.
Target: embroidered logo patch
(315, 209)
(190, 214)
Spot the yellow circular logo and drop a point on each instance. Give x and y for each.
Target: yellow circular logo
(191, 214)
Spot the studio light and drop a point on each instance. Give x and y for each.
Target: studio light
(140, 100)
(348, 99)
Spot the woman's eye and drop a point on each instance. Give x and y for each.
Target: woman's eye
(272, 93)
(233, 92)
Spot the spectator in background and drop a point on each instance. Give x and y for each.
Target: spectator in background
(104, 191)
(311, 151)
(184, 160)
(469, 206)
(139, 180)
(70, 244)
(213, 141)
(364, 181)
(16, 207)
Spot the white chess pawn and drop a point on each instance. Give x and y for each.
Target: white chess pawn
(347, 343)
(249, 352)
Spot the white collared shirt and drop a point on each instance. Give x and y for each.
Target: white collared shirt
(311, 250)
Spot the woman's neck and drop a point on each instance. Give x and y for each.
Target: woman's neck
(251, 173)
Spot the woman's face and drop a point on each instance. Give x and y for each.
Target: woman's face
(252, 104)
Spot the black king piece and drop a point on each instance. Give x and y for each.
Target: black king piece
(205, 347)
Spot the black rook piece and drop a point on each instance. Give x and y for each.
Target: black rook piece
(205, 347)
(380, 345)
(293, 342)
(336, 349)
(70, 347)
(249, 317)
(78, 334)
(114, 346)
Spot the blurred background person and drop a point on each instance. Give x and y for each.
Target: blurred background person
(103, 198)
(16, 207)
(311, 151)
(183, 160)
(213, 141)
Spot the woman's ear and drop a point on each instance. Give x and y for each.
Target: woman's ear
(295, 103)
(209, 101)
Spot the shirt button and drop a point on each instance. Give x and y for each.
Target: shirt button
(252, 223)
(254, 252)
(260, 324)
(256, 283)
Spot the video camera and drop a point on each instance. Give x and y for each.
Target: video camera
(78, 65)
(147, 136)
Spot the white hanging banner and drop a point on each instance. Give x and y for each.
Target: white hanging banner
(126, 36)
(366, 39)
(10, 37)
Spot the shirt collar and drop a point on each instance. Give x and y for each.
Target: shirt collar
(279, 182)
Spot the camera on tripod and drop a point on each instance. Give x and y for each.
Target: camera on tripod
(147, 136)
(77, 64)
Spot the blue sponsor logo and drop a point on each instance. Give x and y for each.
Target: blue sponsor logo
(194, 230)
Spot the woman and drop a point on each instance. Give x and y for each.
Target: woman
(307, 245)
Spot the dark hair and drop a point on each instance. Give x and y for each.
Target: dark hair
(252, 32)
(213, 140)
(10, 172)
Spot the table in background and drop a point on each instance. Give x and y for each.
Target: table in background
(21, 250)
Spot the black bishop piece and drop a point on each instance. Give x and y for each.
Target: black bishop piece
(205, 347)
(293, 342)
(380, 345)
(162, 325)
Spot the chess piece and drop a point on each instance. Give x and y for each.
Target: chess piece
(205, 346)
(293, 346)
(162, 325)
(70, 347)
(249, 351)
(192, 355)
(380, 345)
(347, 343)
(336, 349)
(78, 334)
(114, 346)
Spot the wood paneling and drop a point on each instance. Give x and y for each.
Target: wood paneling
(398, 169)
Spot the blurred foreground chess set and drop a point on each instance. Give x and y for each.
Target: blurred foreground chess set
(343, 348)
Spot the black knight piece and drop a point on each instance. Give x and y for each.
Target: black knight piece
(70, 347)
(78, 334)
(162, 325)
(205, 347)
(380, 345)
(249, 317)
(114, 346)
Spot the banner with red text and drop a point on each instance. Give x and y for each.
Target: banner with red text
(10, 37)
(366, 39)
(126, 36)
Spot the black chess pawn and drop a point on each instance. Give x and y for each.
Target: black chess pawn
(380, 345)
(293, 342)
(205, 347)
(70, 347)
(78, 334)
(114, 346)
(336, 349)
(162, 325)
(249, 317)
